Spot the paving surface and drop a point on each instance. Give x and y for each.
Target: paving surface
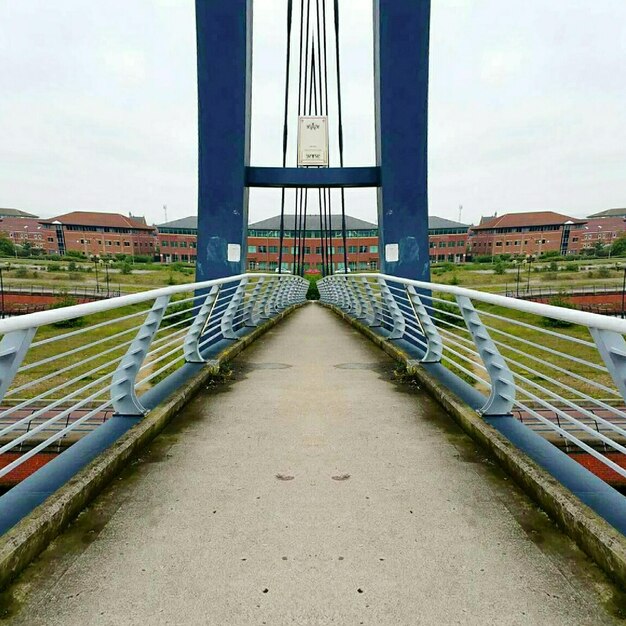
(312, 490)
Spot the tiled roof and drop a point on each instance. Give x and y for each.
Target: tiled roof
(14, 213)
(537, 218)
(435, 223)
(93, 218)
(610, 213)
(312, 223)
(190, 222)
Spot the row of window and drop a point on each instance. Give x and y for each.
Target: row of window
(314, 234)
(448, 244)
(318, 249)
(353, 265)
(178, 244)
(127, 244)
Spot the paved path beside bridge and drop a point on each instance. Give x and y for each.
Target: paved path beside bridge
(312, 489)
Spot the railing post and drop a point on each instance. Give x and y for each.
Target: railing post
(357, 299)
(252, 317)
(434, 343)
(123, 395)
(231, 310)
(191, 345)
(375, 318)
(612, 349)
(13, 349)
(399, 324)
(502, 395)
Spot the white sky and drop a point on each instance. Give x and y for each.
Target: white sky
(98, 105)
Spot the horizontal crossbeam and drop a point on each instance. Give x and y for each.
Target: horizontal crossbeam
(294, 177)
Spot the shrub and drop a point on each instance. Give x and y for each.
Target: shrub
(572, 267)
(126, 268)
(455, 280)
(499, 268)
(313, 292)
(561, 301)
(604, 272)
(553, 267)
(63, 301)
(72, 266)
(21, 272)
(54, 267)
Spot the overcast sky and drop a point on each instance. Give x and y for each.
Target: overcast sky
(98, 105)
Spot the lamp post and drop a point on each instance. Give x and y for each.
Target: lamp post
(106, 267)
(530, 258)
(623, 291)
(95, 264)
(519, 269)
(2, 295)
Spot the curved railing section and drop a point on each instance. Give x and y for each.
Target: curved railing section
(64, 371)
(560, 371)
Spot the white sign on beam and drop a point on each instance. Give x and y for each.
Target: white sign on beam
(313, 141)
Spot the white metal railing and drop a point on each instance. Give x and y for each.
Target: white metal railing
(64, 369)
(559, 370)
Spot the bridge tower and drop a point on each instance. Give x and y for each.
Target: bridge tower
(401, 51)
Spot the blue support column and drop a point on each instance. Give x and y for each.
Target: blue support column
(224, 39)
(401, 41)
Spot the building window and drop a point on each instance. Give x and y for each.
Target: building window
(374, 249)
(127, 244)
(164, 244)
(442, 244)
(362, 249)
(498, 244)
(251, 249)
(273, 249)
(461, 244)
(352, 249)
(451, 244)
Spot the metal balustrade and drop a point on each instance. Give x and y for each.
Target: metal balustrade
(63, 369)
(561, 371)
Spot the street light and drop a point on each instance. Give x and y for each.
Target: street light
(530, 259)
(623, 291)
(518, 262)
(2, 294)
(95, 264)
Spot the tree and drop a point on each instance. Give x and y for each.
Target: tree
(6, 246)
(618, 248)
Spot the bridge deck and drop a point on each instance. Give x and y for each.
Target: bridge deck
(312, 490)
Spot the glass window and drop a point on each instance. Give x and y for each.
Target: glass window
(373, 249)
(251, 249)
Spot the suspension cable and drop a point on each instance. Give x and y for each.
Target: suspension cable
(285, 133)
(343, 197)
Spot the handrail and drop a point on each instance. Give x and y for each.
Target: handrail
(534, 308)
(98, 357)
(569, 384)
(41, 318)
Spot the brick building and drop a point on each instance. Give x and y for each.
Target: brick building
(94, 233)
(598, 230)
(447, 240)
(177, 240)
(521, 234)
(264, 241)
(28, 230)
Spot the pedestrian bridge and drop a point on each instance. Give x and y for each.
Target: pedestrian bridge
(315, 479)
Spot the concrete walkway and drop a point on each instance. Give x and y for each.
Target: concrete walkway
(312, 490)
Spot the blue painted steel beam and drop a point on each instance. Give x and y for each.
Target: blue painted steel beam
(401, 40)
(224, 42)
(295, 177)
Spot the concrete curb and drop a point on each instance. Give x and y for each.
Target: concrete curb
(28, 538)
(594, 535)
